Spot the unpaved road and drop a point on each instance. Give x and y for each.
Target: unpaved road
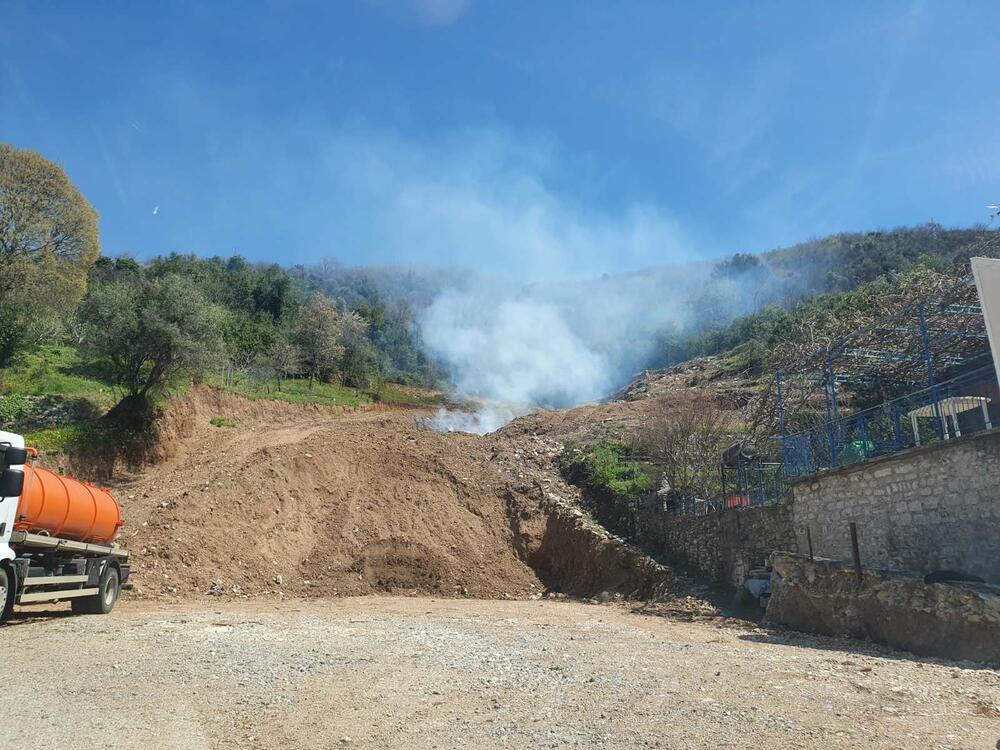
(423, 673)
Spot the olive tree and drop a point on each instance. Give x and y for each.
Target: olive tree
(48, 239)
(151, 333)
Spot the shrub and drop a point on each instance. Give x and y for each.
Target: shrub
(13, 408)
(610, 467)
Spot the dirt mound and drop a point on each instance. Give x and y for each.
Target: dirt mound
(308, 501)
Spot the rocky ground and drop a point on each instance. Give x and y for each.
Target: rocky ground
(381, 672)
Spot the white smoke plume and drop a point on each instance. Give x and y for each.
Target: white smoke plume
(486, 418)
(566, 300)
(519, 348)
(520, 352)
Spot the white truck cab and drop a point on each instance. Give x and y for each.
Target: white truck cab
(8, 505)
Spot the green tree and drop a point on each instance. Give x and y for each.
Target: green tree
(151, 333)
(317, 332)
(359, 365)
(48, 241)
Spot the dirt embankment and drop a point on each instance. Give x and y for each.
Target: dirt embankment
(307, 501)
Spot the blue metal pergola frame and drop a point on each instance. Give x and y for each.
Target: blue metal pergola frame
(949, 337)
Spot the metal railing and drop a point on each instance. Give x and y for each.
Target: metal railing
(753, 484)
(966, 404)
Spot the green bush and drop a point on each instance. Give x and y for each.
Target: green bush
(13, 408)
(221, 422)
(609, 467)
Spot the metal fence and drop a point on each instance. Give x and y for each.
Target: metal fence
(750, 484)
(919, 375)
(963, 405)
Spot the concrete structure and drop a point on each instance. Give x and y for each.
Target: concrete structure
(936, 507)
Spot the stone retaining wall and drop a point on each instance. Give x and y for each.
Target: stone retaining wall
(959, 621)
(930, 508)
(722, 547)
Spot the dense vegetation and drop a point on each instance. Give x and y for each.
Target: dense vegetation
(607, 467)
(613, 480)
(82, 334)
(812, 293)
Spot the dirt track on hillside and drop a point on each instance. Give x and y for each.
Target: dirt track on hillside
(419, 673)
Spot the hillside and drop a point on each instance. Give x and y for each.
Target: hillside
(812, 293)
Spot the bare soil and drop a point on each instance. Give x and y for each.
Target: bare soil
(304, 501)
(383, 672)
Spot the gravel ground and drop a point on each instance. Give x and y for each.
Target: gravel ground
(424, 673)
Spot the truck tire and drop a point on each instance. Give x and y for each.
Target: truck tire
(6, 593)
(107, 594)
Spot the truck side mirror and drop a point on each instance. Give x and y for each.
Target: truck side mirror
(11, 456)
(11, 483)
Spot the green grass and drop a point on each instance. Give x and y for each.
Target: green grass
(391, 393)
(299, 391)
(59, 371)
(13, 408)
(296, 391)
(221, 422)
(608, 467)
(65, 437)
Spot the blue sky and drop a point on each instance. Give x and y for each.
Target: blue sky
(529, 138)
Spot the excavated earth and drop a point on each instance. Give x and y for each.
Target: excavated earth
(306, 501)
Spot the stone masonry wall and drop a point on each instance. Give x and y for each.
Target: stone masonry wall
(930, 508)
(958, 621)
(722, 547)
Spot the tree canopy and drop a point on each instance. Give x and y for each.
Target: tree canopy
(151, 331)
(48, 242)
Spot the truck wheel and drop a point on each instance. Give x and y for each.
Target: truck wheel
(6, 593)
(107, 594)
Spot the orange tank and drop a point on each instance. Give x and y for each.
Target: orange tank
(66, 508)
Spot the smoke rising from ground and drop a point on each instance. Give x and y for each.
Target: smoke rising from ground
(523, 347)
(520, 347)
(519, 350)
(556, 312)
